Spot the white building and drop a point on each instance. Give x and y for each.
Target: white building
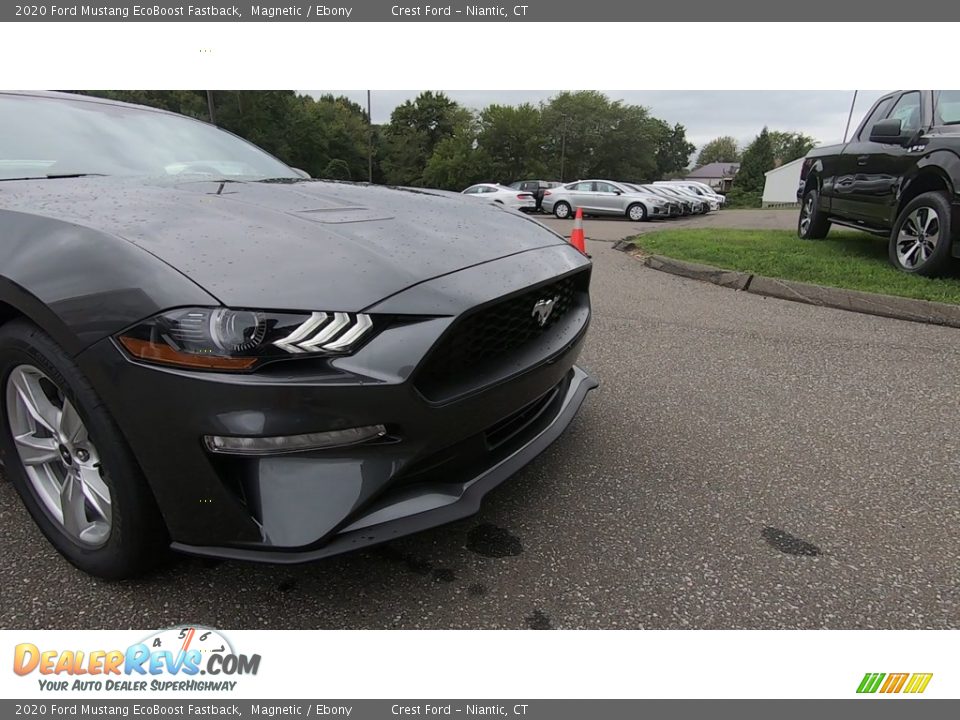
(780, 186)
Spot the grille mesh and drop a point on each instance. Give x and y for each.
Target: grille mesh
(496, 331)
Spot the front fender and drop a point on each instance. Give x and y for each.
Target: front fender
(942, 163)
(81, 285)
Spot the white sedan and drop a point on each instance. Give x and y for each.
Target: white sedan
(503, 195)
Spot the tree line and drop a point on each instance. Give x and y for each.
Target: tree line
(433, 141)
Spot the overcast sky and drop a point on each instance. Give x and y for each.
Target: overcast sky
(706, 114)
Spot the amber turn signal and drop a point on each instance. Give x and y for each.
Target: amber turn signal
(162, 353)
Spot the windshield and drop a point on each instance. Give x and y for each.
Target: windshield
(42, 137)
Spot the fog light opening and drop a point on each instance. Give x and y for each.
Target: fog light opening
(281, 444)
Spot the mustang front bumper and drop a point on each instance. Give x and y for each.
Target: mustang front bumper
(427, 504)
(448, 441)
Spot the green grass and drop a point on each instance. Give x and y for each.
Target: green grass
(846, 259)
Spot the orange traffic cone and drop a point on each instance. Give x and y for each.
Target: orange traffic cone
(576, 237)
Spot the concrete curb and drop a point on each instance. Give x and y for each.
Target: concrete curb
(900, 308)
(706, 273)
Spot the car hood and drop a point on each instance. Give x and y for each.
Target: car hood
(305, 245)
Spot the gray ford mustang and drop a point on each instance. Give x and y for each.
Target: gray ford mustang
(202, 349)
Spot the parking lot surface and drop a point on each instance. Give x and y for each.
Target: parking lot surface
(746, 463)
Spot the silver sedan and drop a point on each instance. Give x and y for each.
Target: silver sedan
(605, 197)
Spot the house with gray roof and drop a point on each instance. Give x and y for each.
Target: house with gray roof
(718, 175)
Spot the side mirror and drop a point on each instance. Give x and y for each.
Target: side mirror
(617, 192)
(886, 131)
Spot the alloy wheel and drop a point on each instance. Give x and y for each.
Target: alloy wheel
(806, 215)
(58, 456)
(918, 237)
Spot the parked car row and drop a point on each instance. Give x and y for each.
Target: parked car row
(636, 201)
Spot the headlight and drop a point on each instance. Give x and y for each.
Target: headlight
(225, 339)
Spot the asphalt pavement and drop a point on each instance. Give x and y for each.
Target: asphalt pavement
(746, 463)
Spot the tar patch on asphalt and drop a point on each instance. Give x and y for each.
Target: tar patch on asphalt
(493, 542)
(415, 565)
(787, 543)
(538, 620)
(287, 585)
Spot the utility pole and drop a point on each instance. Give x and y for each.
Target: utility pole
(213, 120)
(369, 140)
(563, 147)
(850, 116)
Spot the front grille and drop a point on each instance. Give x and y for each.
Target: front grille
(460, 462)
(511, 426)
(496, 331)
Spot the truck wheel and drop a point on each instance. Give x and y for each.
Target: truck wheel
(813, 224)
(921, 237)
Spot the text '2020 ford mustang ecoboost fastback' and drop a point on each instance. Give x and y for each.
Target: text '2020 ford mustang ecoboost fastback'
(200, 347)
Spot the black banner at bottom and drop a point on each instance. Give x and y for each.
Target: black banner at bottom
(868, 708)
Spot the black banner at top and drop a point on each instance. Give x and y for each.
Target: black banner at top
(522, 11)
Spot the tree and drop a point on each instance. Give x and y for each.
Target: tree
(511, 141)
(337, 170)
(327, 137)
(788, 146)
(673, 149)
(757, 159)
(722, 149)
(263, 117)
(587, 135)
(457, 162)
(414, 131)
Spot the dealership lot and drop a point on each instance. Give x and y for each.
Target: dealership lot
(746, 463)
(611, 229)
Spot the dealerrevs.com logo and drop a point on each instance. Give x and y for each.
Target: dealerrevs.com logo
(178, 659)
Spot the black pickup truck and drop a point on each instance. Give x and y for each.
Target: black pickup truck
(898, 177)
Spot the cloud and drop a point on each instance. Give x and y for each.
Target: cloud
(706, 114)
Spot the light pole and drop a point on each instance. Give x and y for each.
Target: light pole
(563, 146)
(213, 120)
(369, 141)
(850, 116)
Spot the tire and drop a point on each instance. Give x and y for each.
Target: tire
(921, 237)
(637, 212)
(562, 210)
(109, 525)
(812, 223)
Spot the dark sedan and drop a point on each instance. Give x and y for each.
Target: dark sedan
(202, 349)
